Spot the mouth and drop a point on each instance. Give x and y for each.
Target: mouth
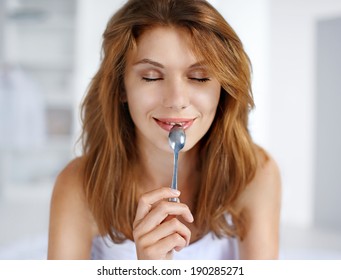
(168, 123)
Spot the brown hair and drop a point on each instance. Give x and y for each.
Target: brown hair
(227, 153)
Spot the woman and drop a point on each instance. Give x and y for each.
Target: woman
(166, 63)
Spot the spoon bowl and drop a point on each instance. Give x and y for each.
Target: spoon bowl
(177, 138)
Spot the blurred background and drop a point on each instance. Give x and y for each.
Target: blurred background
(50, 49)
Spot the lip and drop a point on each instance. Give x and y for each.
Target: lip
(168, 123)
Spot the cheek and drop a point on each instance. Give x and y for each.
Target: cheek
(140, 103)
(208, 101)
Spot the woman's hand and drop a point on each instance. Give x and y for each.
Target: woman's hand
(156, 230)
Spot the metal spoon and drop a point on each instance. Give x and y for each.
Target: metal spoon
(176, 140)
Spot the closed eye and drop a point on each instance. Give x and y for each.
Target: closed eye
(201, 80)
(151, 79)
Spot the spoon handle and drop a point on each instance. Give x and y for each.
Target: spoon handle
(174, 185)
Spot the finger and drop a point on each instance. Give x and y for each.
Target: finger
(147, 200)
(162, 248)
(158, 214)
(165, 229)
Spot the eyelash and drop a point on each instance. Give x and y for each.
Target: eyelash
(149, 80)
(201, 80)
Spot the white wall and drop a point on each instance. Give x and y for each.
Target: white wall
(292, 99)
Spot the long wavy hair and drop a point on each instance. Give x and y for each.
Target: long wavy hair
(227, 152)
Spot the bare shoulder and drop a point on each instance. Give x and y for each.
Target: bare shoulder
(267, 173)
(266, 183)
(69, 183)
(261, 201)
(71, 224)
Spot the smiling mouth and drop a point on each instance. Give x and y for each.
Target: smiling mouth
(167, 124)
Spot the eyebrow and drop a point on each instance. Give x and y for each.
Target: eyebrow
(199, 64)
(149, 61)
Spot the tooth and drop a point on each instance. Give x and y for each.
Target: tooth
(175, 123)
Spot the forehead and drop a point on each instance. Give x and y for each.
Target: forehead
(169, 45)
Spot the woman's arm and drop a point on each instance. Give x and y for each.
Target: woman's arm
(261, 200)
(71, 227)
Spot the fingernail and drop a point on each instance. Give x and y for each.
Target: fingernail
(176, 192)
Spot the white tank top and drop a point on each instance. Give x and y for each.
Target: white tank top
(207, 248)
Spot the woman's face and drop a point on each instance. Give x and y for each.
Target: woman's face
(165, 85)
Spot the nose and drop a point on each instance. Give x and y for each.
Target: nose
(176, 95)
